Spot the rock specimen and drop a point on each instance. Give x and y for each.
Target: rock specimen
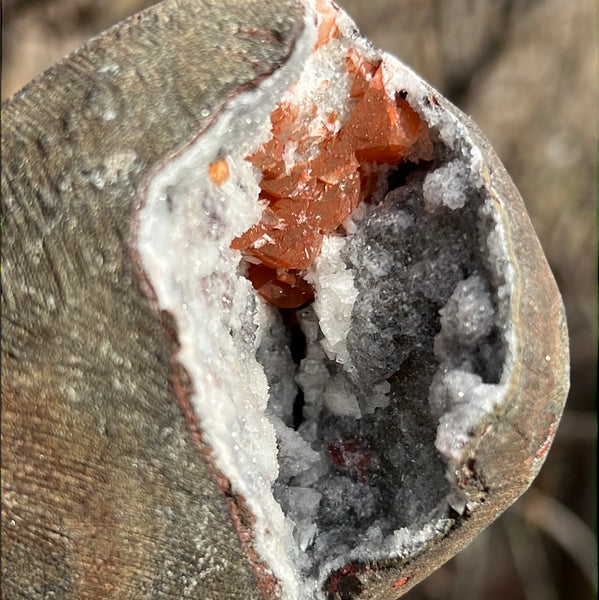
(275, 321)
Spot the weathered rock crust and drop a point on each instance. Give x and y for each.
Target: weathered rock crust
(105, 491)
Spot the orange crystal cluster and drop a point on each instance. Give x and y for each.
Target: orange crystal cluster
(312, 198)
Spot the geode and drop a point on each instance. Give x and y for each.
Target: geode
(276, 323)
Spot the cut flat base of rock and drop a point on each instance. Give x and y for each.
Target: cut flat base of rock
(376, 216)
(374, 348)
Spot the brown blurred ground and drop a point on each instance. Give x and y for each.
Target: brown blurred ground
(526, 70)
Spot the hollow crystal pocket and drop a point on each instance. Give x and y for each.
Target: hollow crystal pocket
(341, 277)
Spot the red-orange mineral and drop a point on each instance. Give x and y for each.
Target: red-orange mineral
(314, 197)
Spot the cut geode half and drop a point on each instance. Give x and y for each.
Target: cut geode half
(348, 178)
(309, 353)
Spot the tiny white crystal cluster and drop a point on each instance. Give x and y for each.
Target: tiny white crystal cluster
(447, 185)
(460, 399)
(334, 296)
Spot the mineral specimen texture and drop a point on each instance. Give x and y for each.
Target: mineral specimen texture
(275, 323)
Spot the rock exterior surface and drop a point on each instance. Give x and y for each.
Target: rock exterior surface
(160, 435)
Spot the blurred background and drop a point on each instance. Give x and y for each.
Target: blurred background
(527, 72)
